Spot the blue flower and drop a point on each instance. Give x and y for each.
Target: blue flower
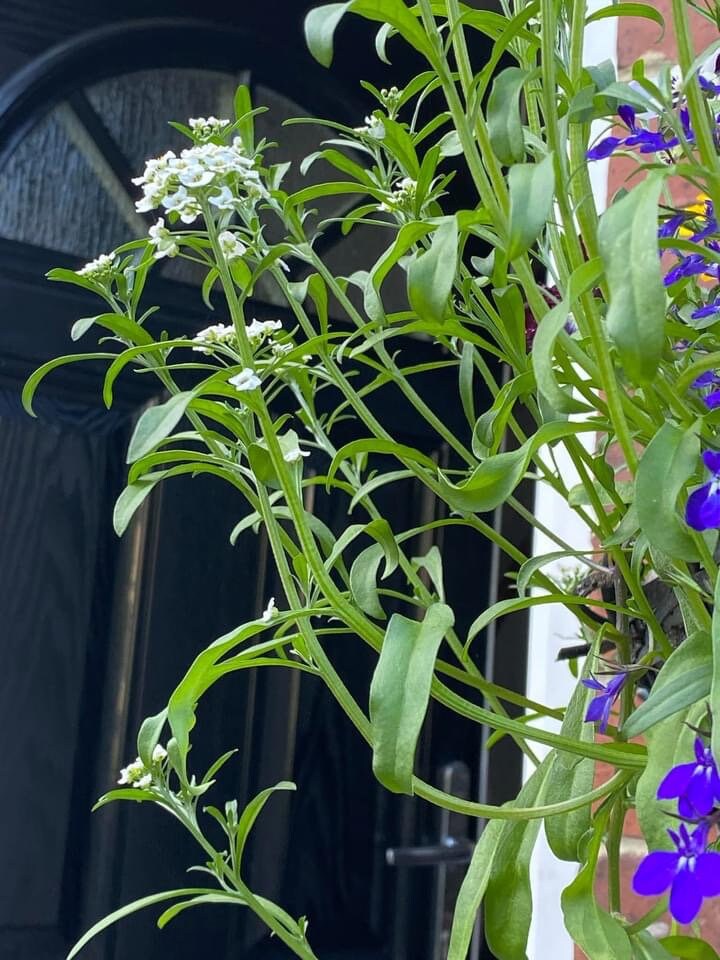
(708, 379)
(707, 311)
(688, 267)
(599, 710)
(696, 784)
(692, 873)
(669, 228)
(649, 141)
(703, 506)
(709, 86)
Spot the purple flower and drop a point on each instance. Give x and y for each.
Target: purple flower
(707, 311)
(711, 224)
(689, 266)
(670, 226)
(709, 86)
(696, 785)
(708, 379)
(599, 710)
(703, 506)
(649, 141)
(692, 873)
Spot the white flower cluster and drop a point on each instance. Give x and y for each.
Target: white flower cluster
(169, 180)
(246, 380)
(221, 333)
(136, 774)
(99, 269)
(374, 127)
(270, 611)
(206, 127)
(402, 194)
(257, 330)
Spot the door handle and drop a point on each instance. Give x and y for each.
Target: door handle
(449, 850)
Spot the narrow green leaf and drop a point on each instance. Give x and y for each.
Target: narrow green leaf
(543, 350)
(132, 908)
(598, 934)
(433, 565)
(131, 498)
(149, 736)
(156, 423)
(363, 581)
(533, 564)
(399, 143)
(715, 685)
(503, 115)
(473, 890)
(508, 900)
(400, 691)
(531, 187)
(244, 117)
(646, 947)
(431, 275)
(684, 679)
(628, 243)
(628, 10)
(571, 777)
(251, 813)
(35, 378)
(466, 374)
(219, 896)
(672, 455)
(405, 238)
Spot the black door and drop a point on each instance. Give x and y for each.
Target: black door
(98, 630)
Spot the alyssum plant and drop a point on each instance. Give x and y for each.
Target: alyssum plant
(624, 333)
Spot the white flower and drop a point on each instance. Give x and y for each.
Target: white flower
(270, 611)
(295, 454)
(196, 174)
(135, 774)
(217, 333)
(163, 241)
(159, 753)
(257, 330)
(207, 126)
(99, 269)
(231, 246)
(247, 379)
(223, 200)
(374, 127)
(403, 193)
(185, 205)
(280, 349)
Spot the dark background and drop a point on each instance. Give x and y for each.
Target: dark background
(96, 631)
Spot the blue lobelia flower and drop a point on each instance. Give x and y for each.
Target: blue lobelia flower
(670, 227)
(692, 873)
(696, 784)
(599, 710)
(703, 506)
(688, 267)
(707, 311)
(708, 379)
(648, 141)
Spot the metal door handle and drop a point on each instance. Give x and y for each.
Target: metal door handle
(450, 850)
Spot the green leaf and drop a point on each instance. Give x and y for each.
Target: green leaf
(433, 565)
(683, 680)
(688, 948)
(627, 238)
(131, 498)
(508, 900)
(503, 115)
(363, 581)
(399, 143)
(571, 777)
(628, 10)
(473, 890)
(531, 187)
(405, 238)
(244, 117)
(132, 908)
(533, 564)
(35, 378)
(251, 813)
(156, 423)
(431, 275)
(149, 736)
(494, 480)
(400, 691)
(320, 26)
(372, 445)
(672, 455)
(543, 349)
(600, 936)
(466, 374)
(646, 947)
(715, 686)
